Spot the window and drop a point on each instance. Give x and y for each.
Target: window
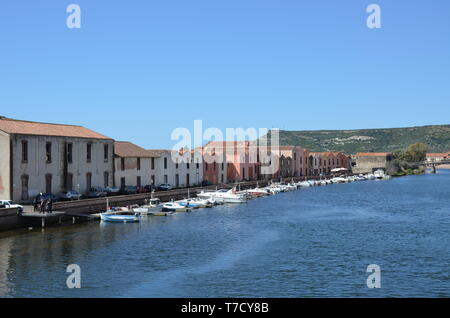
(165, 163)
(206, 166)
(222, 166)
(88, 180)
(105, 179)
(105, 153)
(69, 152)
(197, 165)
(88, 152)
(187, 180)
(176, 164)
(48, 152)
(222, 178)
(122, 164)
(24, 151)
(153, 163)
(48, 183)
(138, 181)
(139, 163)
(122, 182)
(187, 165)
(165, 178)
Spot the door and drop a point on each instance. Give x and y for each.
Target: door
(177, 181)
(48, 183)
(24, 188)
(187, 180)
(69, 181)
(88, 181)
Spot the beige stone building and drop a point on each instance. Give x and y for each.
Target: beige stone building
(134, 166)
(177, 168)
(371, 161)
(50, 158)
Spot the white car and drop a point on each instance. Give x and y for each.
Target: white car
(71, 195)
(11, 205)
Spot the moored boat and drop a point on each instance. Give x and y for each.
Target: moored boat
(124, 218)
(175, 207)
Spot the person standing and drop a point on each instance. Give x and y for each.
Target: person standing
(42, 205)
(50, 205)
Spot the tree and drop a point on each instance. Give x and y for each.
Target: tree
(416, 152)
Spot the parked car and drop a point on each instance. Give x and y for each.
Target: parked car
(96, 192)
(45, 196)
(11, 205)
(70, 195)
(141, 190)
(128, 190)
(112, 190)
(165, 187)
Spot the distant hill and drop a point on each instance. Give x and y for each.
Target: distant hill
(437, 137)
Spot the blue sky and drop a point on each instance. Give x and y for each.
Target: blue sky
(138, 69)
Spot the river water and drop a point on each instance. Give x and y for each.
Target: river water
(314, 242)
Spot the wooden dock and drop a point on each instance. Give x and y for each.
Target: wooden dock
(43, 216)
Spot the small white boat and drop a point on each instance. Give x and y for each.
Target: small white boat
(228, 196)
(150, 208)
(304, 184)
(379, 174)
(339, 180)
(124, 218)
(258, 192)
(175, 207)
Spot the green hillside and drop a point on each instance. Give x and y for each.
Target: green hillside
(437, 137)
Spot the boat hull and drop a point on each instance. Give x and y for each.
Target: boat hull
(119, 218)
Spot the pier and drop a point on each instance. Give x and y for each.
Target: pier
(43, 217)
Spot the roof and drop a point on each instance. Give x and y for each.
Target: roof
(372, 154)
(126, 149)
(22, 127)
(438, 154)
(228, 144)
(156, 153)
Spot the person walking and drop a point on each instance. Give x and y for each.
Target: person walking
(42, 205)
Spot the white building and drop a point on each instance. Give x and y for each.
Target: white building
(50, 158)
(134, 166)
(179, 172)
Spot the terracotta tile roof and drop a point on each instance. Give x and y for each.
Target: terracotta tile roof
(156, 153)
(372, 154)
(438, 154)
(127, 149)
(13, 126)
